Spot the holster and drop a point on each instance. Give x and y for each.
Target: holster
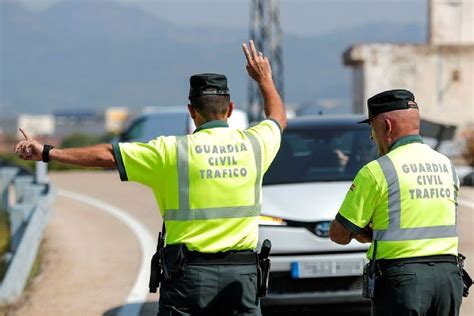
(369, 275)
(466, 278)
(263, 268)
(368, 280)
(166, 263)
(155, 273)
(174, 260)
(156, 266)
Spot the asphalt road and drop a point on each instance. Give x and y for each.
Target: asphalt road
(91, 257)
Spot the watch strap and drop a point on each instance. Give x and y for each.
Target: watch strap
(45, 153)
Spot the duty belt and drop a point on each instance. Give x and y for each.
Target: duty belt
(385, 263)
(225, 258)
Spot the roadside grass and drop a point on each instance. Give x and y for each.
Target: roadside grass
(30, 165)
(4, 240)
(8, 309)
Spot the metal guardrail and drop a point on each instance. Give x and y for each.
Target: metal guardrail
(28, 201)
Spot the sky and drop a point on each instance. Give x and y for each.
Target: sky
(298, 17)
(303, 18)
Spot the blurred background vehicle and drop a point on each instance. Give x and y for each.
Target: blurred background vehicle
(170, 120)
(303, 190)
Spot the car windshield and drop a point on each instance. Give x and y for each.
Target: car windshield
(167, 124)
(151, 126)
(321, 154)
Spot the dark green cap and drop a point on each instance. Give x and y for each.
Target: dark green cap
(208, 84)
(388, 101)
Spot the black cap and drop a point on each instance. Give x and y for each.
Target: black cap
(390, 100)
(206, 84)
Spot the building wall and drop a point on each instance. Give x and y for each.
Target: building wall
(451, 22)
(441, 77)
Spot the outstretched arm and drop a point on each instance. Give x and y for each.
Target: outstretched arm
(92, 156)
(259, 70)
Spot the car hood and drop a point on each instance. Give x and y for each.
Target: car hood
(306, 202)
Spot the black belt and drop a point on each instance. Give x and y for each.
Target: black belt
(226, 258)
(385, 263)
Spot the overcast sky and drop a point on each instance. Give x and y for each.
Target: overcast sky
(300, 17)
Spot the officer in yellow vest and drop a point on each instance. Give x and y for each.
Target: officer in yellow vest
(404, 203)
(208, 188)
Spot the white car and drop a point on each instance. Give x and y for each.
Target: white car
(303, 190)
(170, 120)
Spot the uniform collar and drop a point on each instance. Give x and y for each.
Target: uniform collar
(211, 124)
(409, 139)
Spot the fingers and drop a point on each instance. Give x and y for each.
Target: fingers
(27, 137)
(253, 51)
(17, 148)
(25, 149)
(247, 53)
(252, 54)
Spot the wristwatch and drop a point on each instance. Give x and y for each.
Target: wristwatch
(45, 154)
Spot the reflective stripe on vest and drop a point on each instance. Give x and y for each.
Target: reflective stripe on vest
(394, 232)
(185, 213)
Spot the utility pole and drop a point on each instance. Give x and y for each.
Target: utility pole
(265, 30)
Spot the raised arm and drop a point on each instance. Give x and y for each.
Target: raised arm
(92, 156)
(260, 70)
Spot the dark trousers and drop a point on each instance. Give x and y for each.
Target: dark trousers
(207, 290)
(431, 288)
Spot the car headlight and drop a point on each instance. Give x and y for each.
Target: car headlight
(266, 220)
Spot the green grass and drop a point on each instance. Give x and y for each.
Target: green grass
(4, 240)
(14, 160)
(4, 246)
(30, 165)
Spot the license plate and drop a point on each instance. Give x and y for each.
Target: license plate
(326, 268)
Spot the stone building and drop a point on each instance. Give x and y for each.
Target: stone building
(440, 72)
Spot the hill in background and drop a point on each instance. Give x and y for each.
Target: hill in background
(95, 54)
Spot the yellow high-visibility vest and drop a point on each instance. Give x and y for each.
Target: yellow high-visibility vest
(410, 197)
(208, 184)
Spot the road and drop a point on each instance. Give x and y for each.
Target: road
(92, 256)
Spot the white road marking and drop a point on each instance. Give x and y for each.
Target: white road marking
(139, 291)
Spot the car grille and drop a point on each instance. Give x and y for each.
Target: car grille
(283, 283)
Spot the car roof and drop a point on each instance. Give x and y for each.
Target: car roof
(157, 110)
(347, 120)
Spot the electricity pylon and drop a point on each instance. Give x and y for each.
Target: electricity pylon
(265, 31)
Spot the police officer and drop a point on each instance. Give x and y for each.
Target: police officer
(208, 188)
(404, 203)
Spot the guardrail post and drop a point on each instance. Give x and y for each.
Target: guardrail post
(21, 182)
(6, 176)
(41, 172)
